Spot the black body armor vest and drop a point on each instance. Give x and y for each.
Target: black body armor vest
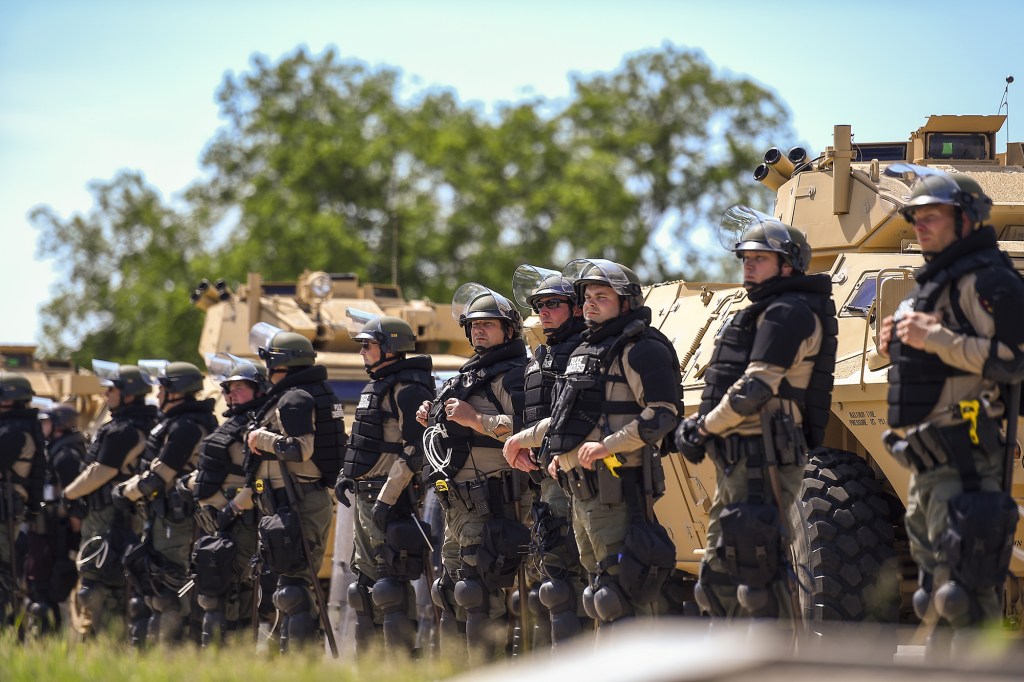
(64, 459)
(473, 377)
(214, 453)
(734, 346)
(581, 389)
(377, 405)
(549, 362)
(140, 417)
(329, 437)
(26, 420)
(198, 412)
(916, 377)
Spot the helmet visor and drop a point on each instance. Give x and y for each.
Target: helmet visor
(598, 270)
(224, 367)
(105, 371)
(153, 371)
(470, 292)
(529, 281)
(261, 336)
(369, 325)
(738, 231)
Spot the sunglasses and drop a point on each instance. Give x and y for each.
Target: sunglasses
(365, 345)
(550, 304)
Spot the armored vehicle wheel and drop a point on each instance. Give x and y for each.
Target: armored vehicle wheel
(844, 546)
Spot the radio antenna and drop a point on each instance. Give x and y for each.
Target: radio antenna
(1004, 103)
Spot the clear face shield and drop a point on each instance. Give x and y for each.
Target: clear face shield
(363, 318)
(527, 280)
(598, 269)
(153, 371)
(470, 292)
(739, 221)
(106, 371)
(261, 336)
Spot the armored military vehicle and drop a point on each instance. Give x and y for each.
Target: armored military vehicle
(852, 555)
(56, 381)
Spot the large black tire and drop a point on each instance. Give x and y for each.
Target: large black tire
(844, 547)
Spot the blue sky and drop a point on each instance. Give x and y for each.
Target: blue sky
(87, 88)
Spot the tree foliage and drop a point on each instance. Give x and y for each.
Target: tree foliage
(325, 163)
(129, 268)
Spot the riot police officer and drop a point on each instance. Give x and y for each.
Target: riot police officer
(50, 572)
(107, 531)
(612, 410)
(222, 553)
(474, 412)
(22, 471)
(159, 565)
(384, 453)
(300, 442)
(956, 346)
(766, 400)
(557, 601)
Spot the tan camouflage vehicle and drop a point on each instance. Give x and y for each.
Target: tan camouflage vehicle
(57, 381)
(852, 552)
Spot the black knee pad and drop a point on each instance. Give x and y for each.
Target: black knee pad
(291, 599)
(442, 593)
(137, 609)
(923, 595)
(208, 603)
(389, 595)
(588, 602)
(703, 591)
(90, 596)
(954, 603)
(359, 597)
(471, 595)
(610, 602)
(557, 596)
(759, 602)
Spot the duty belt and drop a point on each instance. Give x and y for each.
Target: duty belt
(370, 485)
(485, 496)
(927, 447)
(729, 451)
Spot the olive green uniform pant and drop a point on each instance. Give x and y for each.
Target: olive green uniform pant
(733, 488)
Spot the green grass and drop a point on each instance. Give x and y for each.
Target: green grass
(106, 659)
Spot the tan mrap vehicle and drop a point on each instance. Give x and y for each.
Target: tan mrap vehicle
(851, 553)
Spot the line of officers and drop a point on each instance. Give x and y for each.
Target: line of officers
(546, 466)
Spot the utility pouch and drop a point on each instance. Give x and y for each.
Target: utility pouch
(404, 551)
(105, 559)
(646, 560)
(480, 496)
(281, 542)
(609, 486)
(750, 546)
(213, 564)
(580, 484)
(979, 538)
(789, 439)
(503, 544)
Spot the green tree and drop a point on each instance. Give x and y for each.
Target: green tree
(128, 268)
(684, 140)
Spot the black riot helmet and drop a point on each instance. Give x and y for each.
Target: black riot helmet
(622, 280)
(936, 187)
(474, 301)
(746, 229)
(175, 377)
(225, 368)
(15, 387)
(127, 378)
(62, 417)
(530, 282)
(393, 334)
(278, 348)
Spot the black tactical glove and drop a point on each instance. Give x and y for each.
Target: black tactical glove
(342, 488)
(121, 502)
(181, 485)
(227, 516)
(689, 441)
(380, 513)
(76, 509)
